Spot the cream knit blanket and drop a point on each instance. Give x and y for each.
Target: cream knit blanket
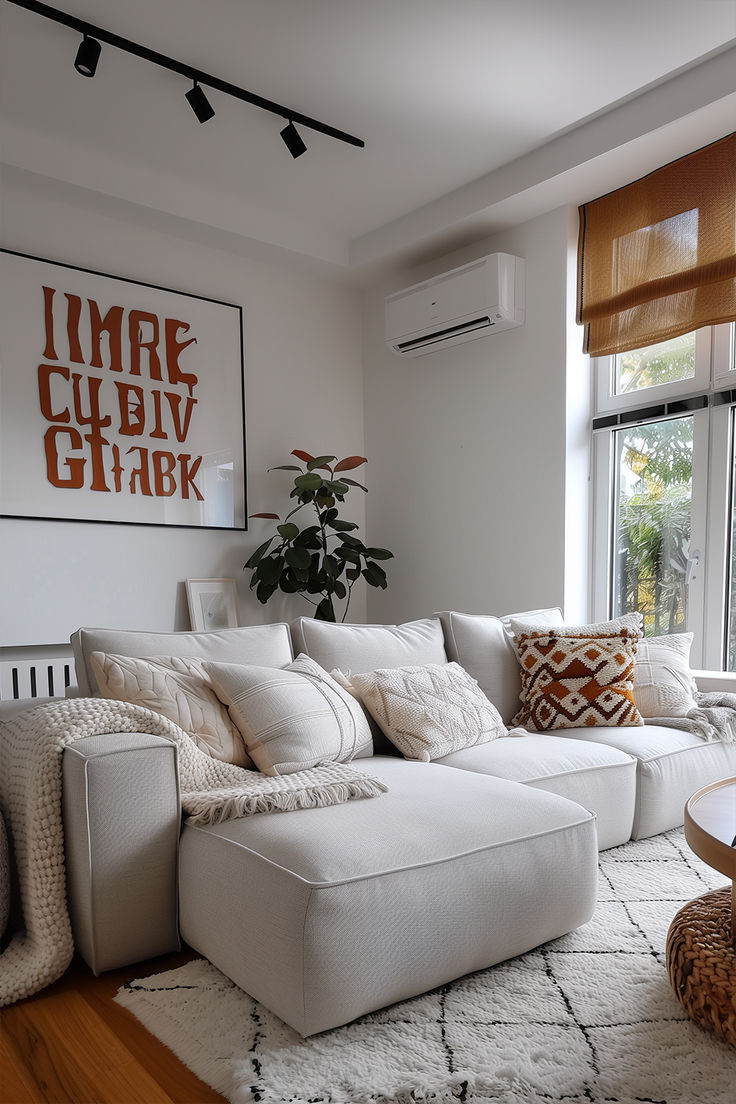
(31, 746)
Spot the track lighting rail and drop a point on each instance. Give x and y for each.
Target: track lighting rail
(185, 70)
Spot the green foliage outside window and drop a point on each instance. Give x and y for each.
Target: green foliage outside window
(654, 518)
(668, 362)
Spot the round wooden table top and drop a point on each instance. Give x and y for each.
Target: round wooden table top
(710, 825)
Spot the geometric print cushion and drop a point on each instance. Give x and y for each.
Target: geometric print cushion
(178, 688)
(429, 711)
(663, 682)
(576, 681)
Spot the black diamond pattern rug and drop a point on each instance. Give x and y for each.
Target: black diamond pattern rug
(587, 1019)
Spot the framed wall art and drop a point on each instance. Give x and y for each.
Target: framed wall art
(119, 401)
(213, 604)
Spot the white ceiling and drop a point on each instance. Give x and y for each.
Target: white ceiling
(473, 112)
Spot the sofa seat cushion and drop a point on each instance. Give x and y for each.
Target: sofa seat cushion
(599, 777)
(671, 766)
(325, 914)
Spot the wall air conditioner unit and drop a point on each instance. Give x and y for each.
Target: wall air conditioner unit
(476, 299)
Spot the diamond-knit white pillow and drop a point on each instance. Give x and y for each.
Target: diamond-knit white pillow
(292, 717)
(429, 711)
(178, 688)
(663, 682)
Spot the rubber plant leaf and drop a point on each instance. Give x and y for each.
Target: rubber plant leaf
(260, 552)
(320, 462)
(350, 462)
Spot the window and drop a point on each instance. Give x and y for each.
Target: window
(665, 490)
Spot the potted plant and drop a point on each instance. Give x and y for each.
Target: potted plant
(323, 559)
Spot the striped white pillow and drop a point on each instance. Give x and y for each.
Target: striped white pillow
(293, 717)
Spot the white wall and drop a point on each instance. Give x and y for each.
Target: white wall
(468, 448)
(303, 377)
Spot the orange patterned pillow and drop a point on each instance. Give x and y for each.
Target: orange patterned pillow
(576, 680)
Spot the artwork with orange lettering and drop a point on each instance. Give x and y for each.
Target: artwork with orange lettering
(119, 401)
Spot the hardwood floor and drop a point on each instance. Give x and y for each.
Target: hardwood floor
(72, 1044)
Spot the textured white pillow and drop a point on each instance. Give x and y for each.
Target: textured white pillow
(294, 717)
(627, 621)
(381, 744)
(663, 682)
(179, 689)
(429, 711)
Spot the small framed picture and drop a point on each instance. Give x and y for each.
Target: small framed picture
(213, 604)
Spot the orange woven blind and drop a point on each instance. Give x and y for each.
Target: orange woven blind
(658, 257)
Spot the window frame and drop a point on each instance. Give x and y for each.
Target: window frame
(714, 438)
(607, 401)
(605, 469)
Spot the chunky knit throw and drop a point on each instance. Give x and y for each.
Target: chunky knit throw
(31, 746)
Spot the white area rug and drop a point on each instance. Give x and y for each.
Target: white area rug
(587, 1019)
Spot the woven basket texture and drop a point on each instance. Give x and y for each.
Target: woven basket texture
(701, 963)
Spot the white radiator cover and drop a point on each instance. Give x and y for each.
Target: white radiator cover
(35, 673)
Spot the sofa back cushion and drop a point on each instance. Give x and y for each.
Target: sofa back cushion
(266, 645)
(482, 645)
(359, 648)
(346, 650)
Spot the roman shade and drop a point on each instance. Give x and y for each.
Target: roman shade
(658, 258)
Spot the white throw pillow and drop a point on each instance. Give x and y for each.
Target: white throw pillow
(294, 717)
(520, 626)
(429, 711)
(179, 689)
(380, 742)
(663, 682)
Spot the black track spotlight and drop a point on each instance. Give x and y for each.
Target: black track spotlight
(199, 103)
(293, 140)
(87, 57)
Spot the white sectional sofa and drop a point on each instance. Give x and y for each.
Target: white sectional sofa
(324, 914)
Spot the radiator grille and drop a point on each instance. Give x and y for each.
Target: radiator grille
(39, 677)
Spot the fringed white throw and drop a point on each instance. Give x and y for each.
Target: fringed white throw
(714, 718)
(31, 746)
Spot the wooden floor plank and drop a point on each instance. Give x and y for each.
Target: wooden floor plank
(14, 1086)
(73, 1044)
(73, 1055)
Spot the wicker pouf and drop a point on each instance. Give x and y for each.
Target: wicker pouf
(701, 963)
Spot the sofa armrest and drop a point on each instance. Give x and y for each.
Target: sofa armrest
(711, 681)
(121, 809)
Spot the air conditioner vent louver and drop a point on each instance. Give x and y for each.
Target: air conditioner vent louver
(442, 335)
(479, 298)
